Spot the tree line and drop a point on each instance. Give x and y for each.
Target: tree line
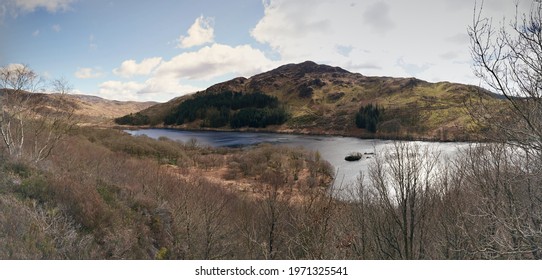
(133, 119)
(230, 108)
(368, 117)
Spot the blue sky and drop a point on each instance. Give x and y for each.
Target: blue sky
(157, 50)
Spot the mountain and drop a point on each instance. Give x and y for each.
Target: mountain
(97, 110)
(322, 99)
(88, 109)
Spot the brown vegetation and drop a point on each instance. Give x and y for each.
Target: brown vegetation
(92, 110)
(134, 197)
(107, 195)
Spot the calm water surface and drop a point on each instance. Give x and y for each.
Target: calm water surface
(331, 148)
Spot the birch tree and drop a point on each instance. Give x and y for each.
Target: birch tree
(31, 124)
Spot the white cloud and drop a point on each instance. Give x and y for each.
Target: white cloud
(13, 67)
(3, 12)
(36, 33)
(46, 75)
(120, 90)
(201, 32)
(378, 38)
(154, 89)
(32, 82)
(14, 8)
(216, 60)
(287, 26)
(49, 5)
(172, 78)
(459, 38)
(92, 44)
(377, 15)
(56, 28)
(166, 85)
(88, 73)
(412, 68)
(131, 68)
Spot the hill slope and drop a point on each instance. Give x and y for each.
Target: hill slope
(97, 110)
(88, 109)
(323, 99)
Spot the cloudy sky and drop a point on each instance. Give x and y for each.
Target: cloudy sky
(157, 50)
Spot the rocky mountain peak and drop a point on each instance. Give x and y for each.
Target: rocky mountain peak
(307, 67)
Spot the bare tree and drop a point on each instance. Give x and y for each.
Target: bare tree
(508, 59)
(272, 207)
(54, 120)
(502, 219)
(361, 220)
(30, 124)
(403, 178)
(16, 81)
(505, 181)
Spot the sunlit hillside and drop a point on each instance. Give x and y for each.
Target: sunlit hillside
(321, 99)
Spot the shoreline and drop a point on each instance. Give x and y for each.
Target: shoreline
(365, 136)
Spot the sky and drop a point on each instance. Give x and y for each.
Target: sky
(157, 50)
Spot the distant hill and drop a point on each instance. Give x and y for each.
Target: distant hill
(99, 110)
(88, 109)
(322, 99)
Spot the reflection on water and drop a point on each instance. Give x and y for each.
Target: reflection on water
(331, 148)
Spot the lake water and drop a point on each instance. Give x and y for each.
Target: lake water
(331, 148)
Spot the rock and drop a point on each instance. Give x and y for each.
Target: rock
(353, 157)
